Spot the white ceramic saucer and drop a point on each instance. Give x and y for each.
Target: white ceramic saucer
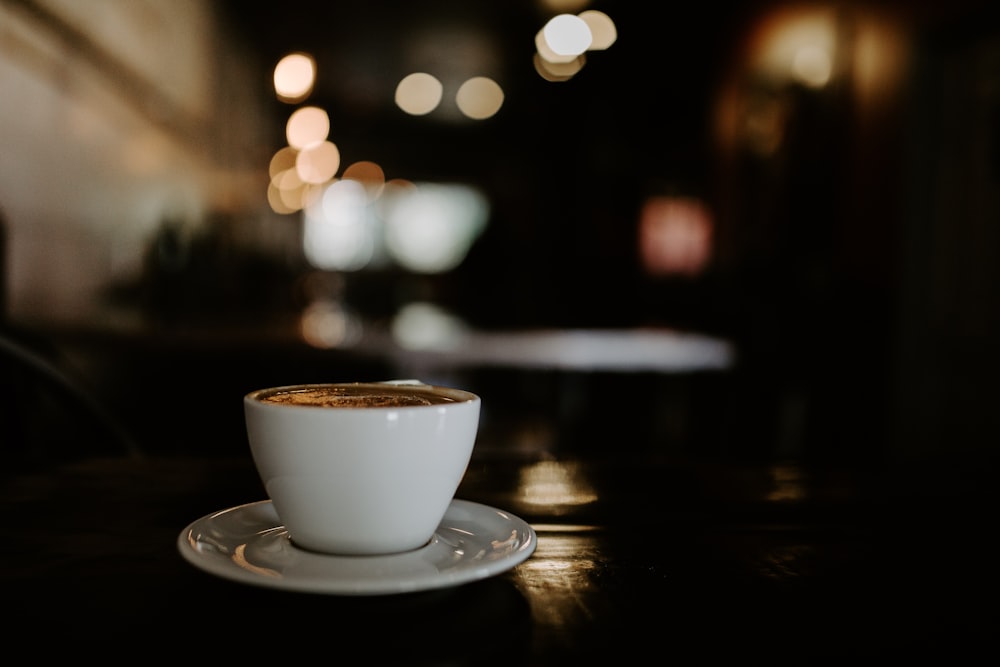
(249, 544)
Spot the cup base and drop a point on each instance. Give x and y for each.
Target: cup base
(356, 554)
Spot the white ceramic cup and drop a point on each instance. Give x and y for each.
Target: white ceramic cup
(353, 480)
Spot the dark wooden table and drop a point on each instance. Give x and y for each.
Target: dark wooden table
(638, 558)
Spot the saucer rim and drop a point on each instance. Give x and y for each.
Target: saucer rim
(474, 571)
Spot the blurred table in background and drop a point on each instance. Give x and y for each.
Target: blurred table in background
(637, 350)
(542, 388)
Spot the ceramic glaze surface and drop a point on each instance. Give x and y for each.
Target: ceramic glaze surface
(362, 480)
(249, 544)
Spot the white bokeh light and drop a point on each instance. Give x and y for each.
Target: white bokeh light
(430, 228)
(338, 231)
(567, 35)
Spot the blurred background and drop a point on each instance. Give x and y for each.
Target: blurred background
(770, 229)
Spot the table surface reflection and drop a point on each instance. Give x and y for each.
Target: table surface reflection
(635, 557)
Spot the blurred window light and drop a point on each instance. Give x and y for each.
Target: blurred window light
(294, 77)
(880, 60)
(602, 29)
(145, 153)
(479, 98)
(419, 93)
(563, 71)
(804, 44)
(762, 123)
(811, 66)
(307, 126)
(567, 35)
(430, 229)
(675, 236)
(796, 44)
(338, 232)
(318, 163)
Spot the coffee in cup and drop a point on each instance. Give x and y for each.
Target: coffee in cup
(380, 395)
(362, 468)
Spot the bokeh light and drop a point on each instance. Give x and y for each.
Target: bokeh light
(419, 93)
(561, 71)
(318, 163)
(567, 35)
(561, 44)
(329, 323)
(421, 325)
(675, 236)
(369, 174)
(294, 77)
(543, 49)
(603, 31)
(430, 228)
(338, 234)
(284, 158)
(307, 126)
(479, 98)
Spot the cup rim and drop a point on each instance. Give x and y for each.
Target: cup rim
(459, 396)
